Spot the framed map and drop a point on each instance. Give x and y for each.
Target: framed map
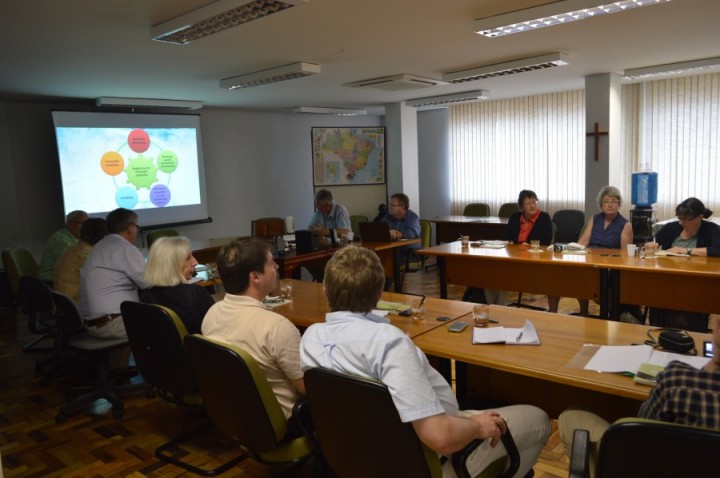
(348, 156)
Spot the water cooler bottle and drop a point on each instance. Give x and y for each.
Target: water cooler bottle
(642, 216)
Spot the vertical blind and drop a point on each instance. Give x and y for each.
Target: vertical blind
(672, 127)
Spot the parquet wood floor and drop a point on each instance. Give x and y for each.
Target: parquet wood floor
(91, 444)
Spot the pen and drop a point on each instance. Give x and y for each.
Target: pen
(493, 321)
(519, 337)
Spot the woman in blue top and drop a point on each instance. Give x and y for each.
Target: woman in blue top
(607, 229)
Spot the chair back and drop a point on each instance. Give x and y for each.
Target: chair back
(18, 262)
(153, 236)
(633, 447)
(68, 318)
(237, 396)
(38, 302)
(569, 223)
(425, 233)
(355, 221)
(156, 335)
(268, 227)
(477, 209)
(508, 209)
(359, 430)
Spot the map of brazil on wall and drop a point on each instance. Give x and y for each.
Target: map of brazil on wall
(346, 156)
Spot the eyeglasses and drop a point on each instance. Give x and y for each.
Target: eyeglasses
(687, 218)
(610, 202)
(137, 226)
(530, 203)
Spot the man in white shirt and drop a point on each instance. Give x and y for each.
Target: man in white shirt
(355, 341)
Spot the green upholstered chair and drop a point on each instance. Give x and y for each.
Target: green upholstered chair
(18, 262)
(156, 336)
(359, 432)
(508, 209)
(94, 355)
(634, 447)
(416, 262)
(477, 209)
(153, 236)
(241, 403)
(355, 221)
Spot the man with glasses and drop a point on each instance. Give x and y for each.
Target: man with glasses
(112, 274)
(329, 215)
(404, 223)
(58, 242)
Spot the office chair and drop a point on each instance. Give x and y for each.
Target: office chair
(477, 209)
(365, 437)
(355, 221)
(241, 403)
(519, 302)
(508, 209)
(18, 262)
(415, 262)
(156, 335)
(268, 227)
(153, 236)
(634, 447)
(93, 354)
(569, 223)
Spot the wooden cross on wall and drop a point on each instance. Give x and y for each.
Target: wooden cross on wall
(597, 133)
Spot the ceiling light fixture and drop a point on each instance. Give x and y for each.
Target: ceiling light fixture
(396, 83)
(508, 68)
(216, 17)
(448, 99)
(107, 101)
(329, 111)
(695, 66)
(555, 13)
(272, 75)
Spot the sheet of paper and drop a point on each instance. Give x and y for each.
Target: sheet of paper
(628, 358)
(527, 335)
(663, 358)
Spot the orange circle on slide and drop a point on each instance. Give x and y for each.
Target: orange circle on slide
(112, 163)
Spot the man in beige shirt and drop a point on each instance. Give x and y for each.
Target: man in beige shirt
(249, 273)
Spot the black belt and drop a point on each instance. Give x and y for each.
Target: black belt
(101, 321)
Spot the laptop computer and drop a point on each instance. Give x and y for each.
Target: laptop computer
(375, 232)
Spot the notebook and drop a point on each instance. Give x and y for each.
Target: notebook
(375, 232)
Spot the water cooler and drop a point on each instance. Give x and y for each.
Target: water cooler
(642, 216)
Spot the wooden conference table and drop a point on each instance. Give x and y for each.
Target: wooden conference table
(449, 228)
(309, 306)
(391, 256)
(607, 276)
(549, 375)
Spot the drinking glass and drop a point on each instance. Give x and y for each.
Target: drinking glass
(418, 309)
(535, 245)
(481, 315)
(286, 287)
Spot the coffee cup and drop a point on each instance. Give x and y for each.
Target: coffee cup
(631, 250)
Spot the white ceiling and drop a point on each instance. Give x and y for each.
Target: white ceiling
(84, 49)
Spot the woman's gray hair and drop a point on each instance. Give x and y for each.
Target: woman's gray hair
(166, 259)
(610, 191)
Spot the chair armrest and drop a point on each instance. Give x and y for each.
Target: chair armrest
(459, 459)
(580, 454)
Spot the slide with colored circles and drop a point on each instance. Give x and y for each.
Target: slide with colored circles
(135, 168)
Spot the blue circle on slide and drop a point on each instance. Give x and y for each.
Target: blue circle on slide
(126, 197)
(160, 195)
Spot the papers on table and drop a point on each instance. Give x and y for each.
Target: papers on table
(573, 252)
(489, 244)
(628, 358)
(666, 253)
(272, 302)
(527, 335)
(395, 307)
(574, 246)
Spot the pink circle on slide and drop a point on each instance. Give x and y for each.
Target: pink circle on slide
(138, 140)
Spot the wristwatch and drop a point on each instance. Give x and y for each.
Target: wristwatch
(689, 251)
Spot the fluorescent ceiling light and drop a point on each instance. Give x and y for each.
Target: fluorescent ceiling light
(695, 66)
(216, 17)
(273, 75)
(329, 111)
(448, 99)
(555, 13)
(148, 103)
(508, 68)
(396, 83)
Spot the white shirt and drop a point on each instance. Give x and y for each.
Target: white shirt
(367, 345)
(112, 274)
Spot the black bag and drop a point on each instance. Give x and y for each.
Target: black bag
(676, 341)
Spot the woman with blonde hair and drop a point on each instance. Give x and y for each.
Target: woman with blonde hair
(169, 267)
